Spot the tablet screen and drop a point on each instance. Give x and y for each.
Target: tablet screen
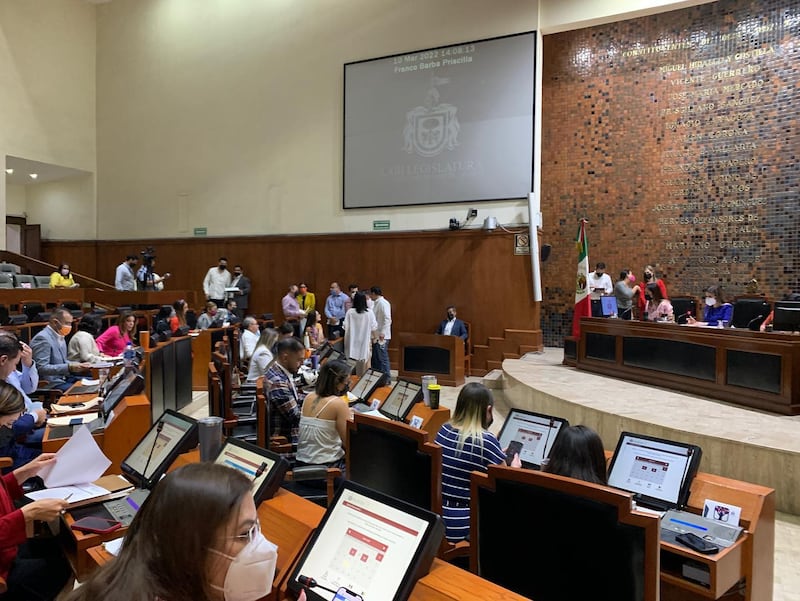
(534, 431)
(264, 468)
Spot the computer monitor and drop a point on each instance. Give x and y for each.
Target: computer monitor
(371, 544)
(265, 468)
(401, 399)
(534, 431)
(131, 382)
(366, 386)
(608, 305)
(658, 472)
(172, 434)
(787, 316)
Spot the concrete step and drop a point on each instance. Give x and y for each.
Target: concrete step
(479, 372)
(524, 348)
(510, 356)
(490, 365)
(494, 380)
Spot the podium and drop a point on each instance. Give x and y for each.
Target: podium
(438, 355)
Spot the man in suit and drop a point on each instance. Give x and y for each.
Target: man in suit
(50, 352)
(242, 298)
(452, 326)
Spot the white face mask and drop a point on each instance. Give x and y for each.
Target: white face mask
(251, 572)
(711, 302)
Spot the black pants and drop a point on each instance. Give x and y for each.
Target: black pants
(38, 573)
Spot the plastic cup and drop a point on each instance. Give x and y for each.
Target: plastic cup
(426, 381)
(209, 430)
(433, 393)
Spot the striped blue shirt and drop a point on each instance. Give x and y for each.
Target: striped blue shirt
(456, 468)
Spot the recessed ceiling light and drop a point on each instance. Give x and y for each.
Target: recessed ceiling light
(10, 171)
(33, 175)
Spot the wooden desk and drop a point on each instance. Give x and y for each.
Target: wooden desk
(446, 582)
(432, 419)
(753, 369)
(118, 298)
(132, 420)
(77, 547)
(442, 356)
(202, 347)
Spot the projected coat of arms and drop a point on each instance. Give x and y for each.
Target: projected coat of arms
(431, 128)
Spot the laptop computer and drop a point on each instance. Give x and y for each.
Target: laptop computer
(401, 399)
(172, 434)
(658, 472)
(534, 433)
(365, 387)
(265, 468)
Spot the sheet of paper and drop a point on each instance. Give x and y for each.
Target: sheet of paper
(722, 512)
(89, 382)
(114, 546)
(79, 408)
(79, 461)
(75, 493)
(102, 365)
(375, 413)
(67, 420)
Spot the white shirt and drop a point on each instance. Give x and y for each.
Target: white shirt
(124, 279)
(247, 343)
(358, 328)
(383, 315)
(215, 282)
(603, 282)
(448, 328)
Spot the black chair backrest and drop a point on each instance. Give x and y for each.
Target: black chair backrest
(750, 312)
(682, 306)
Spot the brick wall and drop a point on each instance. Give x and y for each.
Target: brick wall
(676, 136)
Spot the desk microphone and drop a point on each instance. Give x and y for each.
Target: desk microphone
(547, 438)
(755, 319)
(159, 427)
(626, 311)
(309, 582)
(682, 315)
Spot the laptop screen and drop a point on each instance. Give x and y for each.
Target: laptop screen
(658, 472)
(534, 431)
(172, 434)
(370, 543)
(609, 305)
(265, 468)
(400, 400)
(130, 383)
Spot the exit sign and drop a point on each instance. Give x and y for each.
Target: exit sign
(381, 225)
(201, 231)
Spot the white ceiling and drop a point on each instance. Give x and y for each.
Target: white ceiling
(47, 172)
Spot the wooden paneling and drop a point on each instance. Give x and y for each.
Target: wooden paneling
(420, 272)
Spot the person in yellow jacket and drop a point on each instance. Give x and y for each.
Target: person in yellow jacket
(62, 278)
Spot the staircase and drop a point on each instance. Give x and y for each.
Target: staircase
(512, 345)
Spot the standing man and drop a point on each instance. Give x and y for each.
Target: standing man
(351, 294)
(285, 400)
(50, 352)
(291, 309)
(600, 284)
(125, 278)
(242, 298)
(380, 345)
(308, 303)
(334, 311)
(217, 279)
(452, 326)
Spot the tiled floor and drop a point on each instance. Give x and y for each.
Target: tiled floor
(787, 527)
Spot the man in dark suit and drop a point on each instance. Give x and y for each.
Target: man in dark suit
(452, 326)
(242, 282)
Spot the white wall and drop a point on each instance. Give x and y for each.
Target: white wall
(47, 77)
(65, 208)
(564, 15)
(16, 203)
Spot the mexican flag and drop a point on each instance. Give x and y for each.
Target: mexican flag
(583, 305)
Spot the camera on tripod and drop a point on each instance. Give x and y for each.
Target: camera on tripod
(148, 254)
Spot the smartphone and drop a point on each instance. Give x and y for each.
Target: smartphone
(700, 545)
(514, 448)
(96, 525)
(345, 594)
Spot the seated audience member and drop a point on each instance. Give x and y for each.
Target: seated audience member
(23, 441)
(50, 352)
(789, 297)
(467, 446)
(263, 354)
(323, 419)
(359, 324)
(249, 338)
(578, 453)
(113, 341)
(624, 291)
(34, 569)
(231, 311)
(717, 311)
(285, 400)
(62, 278)
(285, 330)
(161, 323)
(178, 319)
(212, 318)
(657, 308)
(82, 346)
(314, 329)
(452, 326)
(196, 538)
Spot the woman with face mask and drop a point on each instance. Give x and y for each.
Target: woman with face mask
(197, 537)
(33, 569)
(717, 312)
(657, 308)
(62, 278)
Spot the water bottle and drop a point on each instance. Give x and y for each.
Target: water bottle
(128, 355)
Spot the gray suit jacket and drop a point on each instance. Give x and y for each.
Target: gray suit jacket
(50, 354)
(243, 298)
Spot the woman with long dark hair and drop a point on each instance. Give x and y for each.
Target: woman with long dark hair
(578, 453)
(359, 324)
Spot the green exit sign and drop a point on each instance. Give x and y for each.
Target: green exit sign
(381, 225)
(201, 231)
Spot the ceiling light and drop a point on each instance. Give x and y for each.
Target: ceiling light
(10, 171)
(33, 175)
